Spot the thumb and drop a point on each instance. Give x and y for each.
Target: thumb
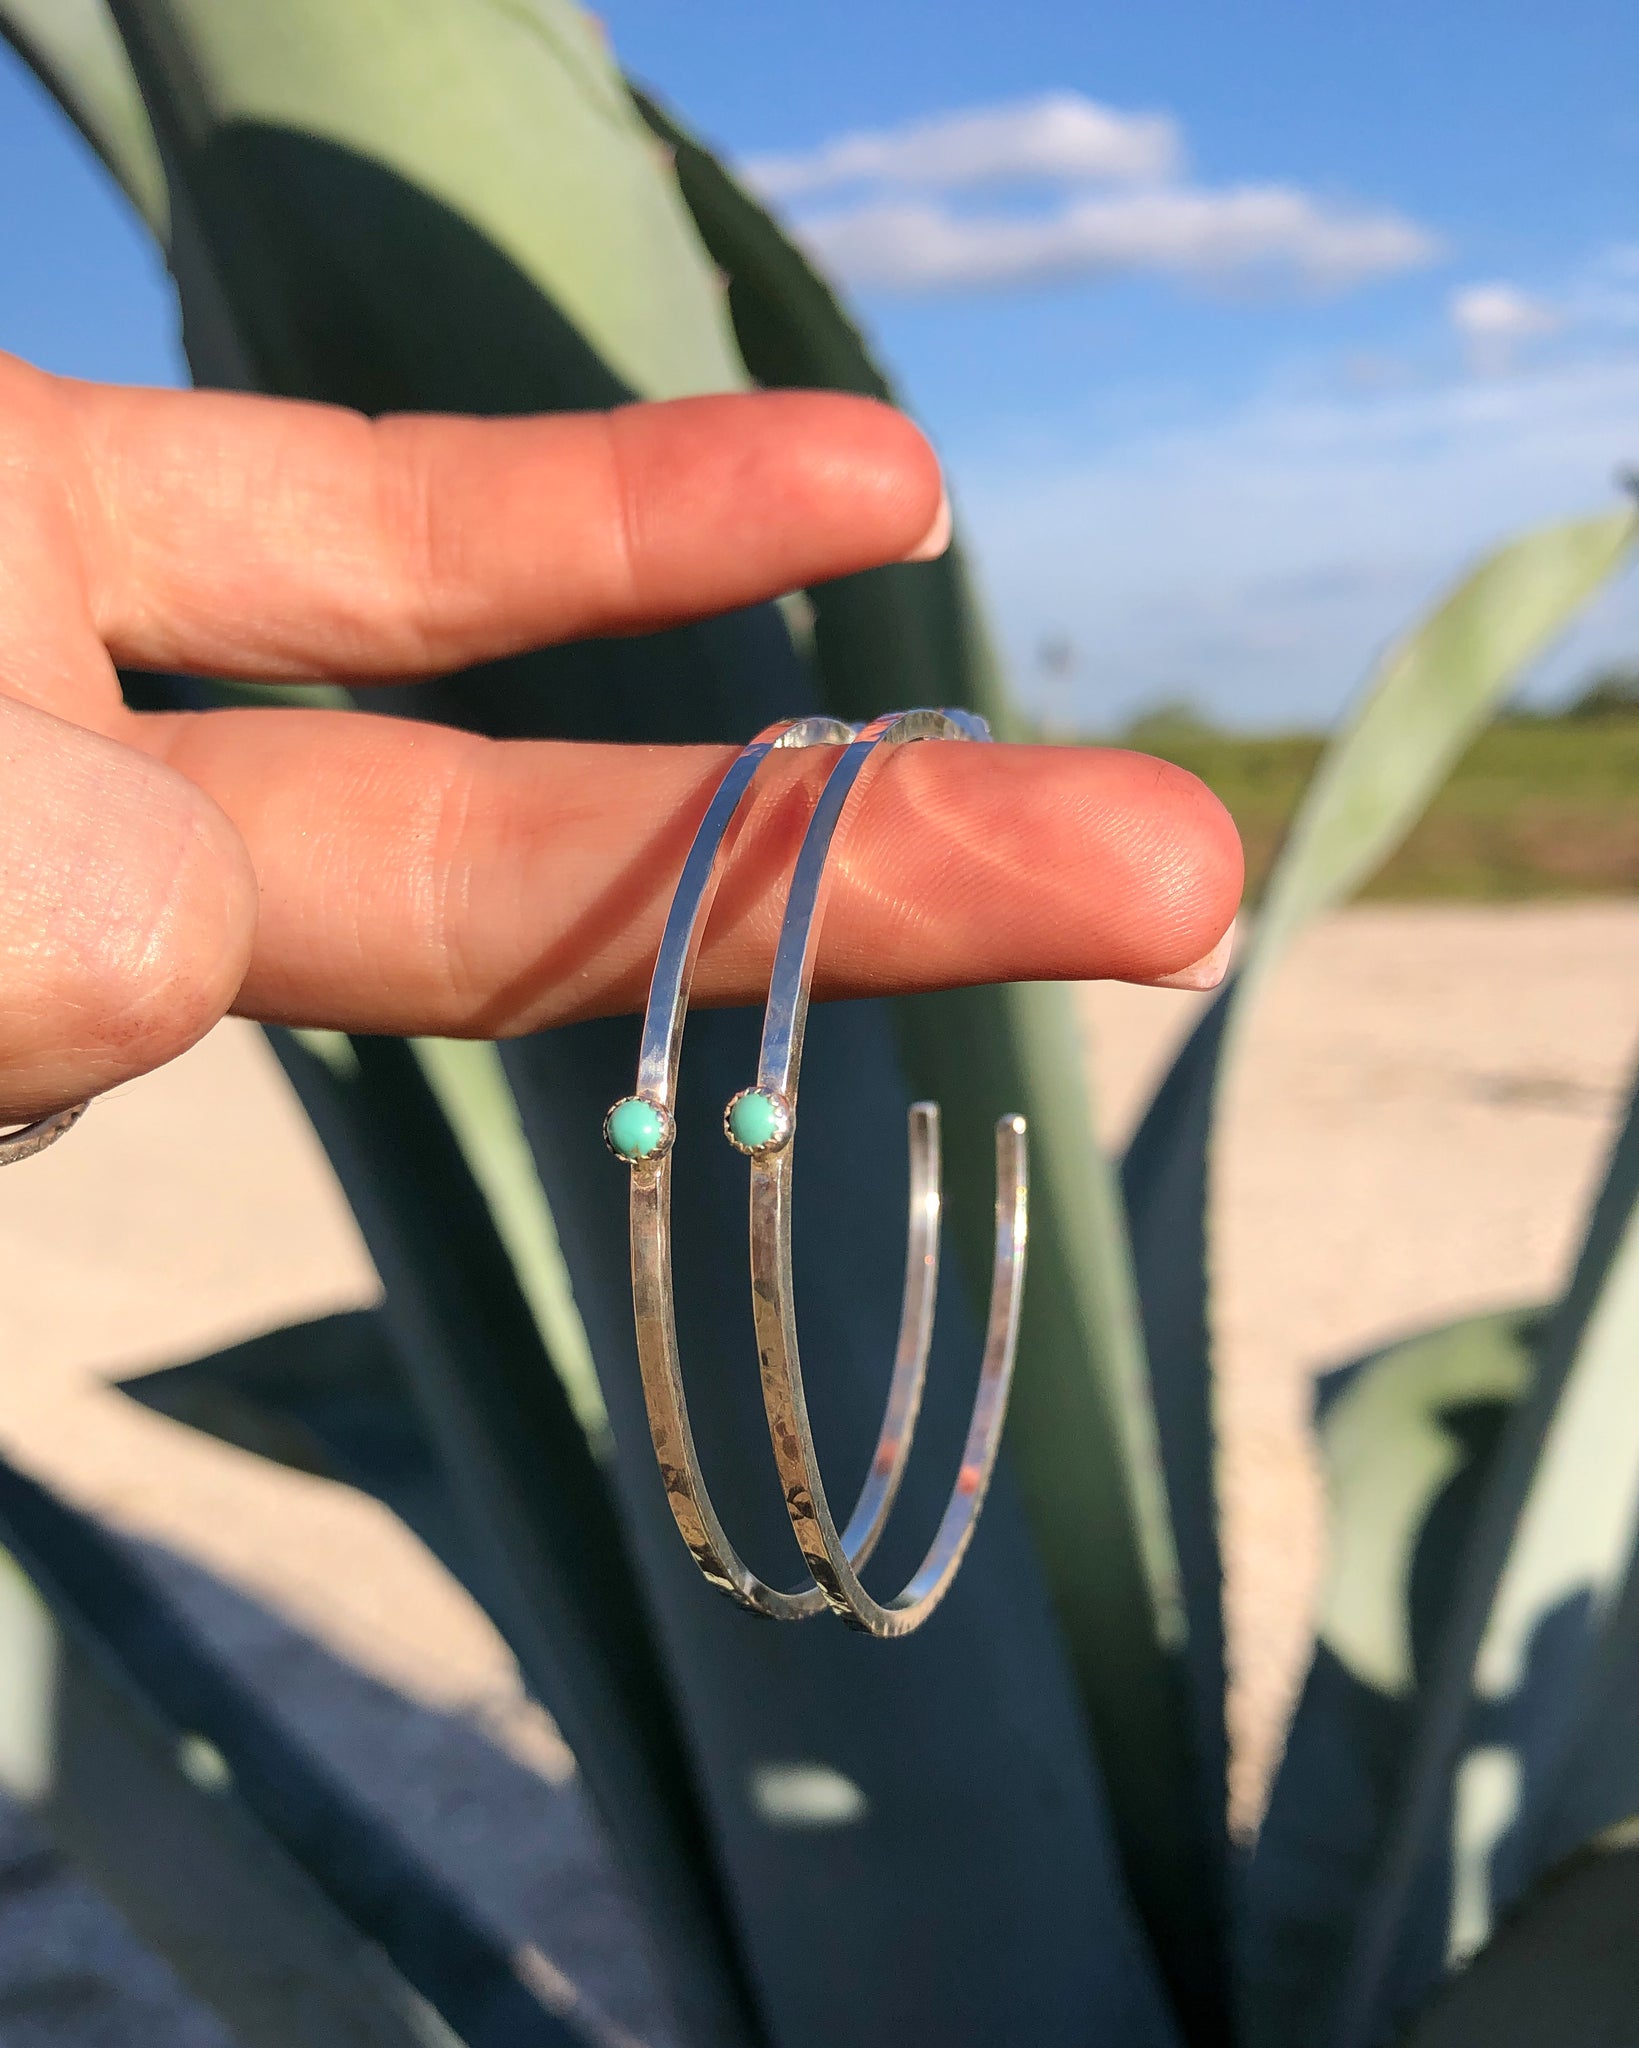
(127, 912)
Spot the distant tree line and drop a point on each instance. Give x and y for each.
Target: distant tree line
(1610, 693)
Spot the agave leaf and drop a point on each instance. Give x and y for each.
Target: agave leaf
(1406, 1435)
(520, 1505)
(1556, 1613)
(1518, 1664)
(367, 260)
(1563, 1967)
(1597, 1788)
(1420, 707)
(407, 1199)
(437, 97)
(228, 1849)
(933, 1735)
(472, 1090)
(1081, 1436)
(74, 48)
(1429, 697)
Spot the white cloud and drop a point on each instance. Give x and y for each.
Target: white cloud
(1259, 561)
(1500, 312)
(903, 224)
(1061, 137)
(1250, 231)
(1496, 320)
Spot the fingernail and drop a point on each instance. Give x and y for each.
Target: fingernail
(937, 538)
(1207, 972)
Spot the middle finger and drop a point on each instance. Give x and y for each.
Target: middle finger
(418, 879)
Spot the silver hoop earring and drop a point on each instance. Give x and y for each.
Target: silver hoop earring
(35, 1137)
(640, 1130)
(761, 1122)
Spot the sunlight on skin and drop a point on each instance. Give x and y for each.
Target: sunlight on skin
(333, 869)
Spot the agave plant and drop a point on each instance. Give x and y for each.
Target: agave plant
(461, 205)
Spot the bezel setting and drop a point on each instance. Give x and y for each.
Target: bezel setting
(780, 1110)
(662, 1145)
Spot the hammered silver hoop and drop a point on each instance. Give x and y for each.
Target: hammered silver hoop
(834, 1558)
(641, 1129)
(24, 1142)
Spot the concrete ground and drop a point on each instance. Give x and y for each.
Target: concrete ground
(1415, 1132)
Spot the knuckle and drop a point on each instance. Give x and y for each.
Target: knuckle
(172, 965)
(424, 549)
(436, 562)
(134, 940)
(624, 527)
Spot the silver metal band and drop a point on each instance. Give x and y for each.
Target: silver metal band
(832, 1558)
(652, 1297)
(35, 1137)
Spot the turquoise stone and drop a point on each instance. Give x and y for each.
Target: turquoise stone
(754, 1120)
(634, 1128)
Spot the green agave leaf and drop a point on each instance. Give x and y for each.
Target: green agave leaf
(1563, 1967)
(1418, 710)
(1427, 700)
(473, 1092)
(76, 51)
(1082, 1433)
(1557, 1612)
(1518, 1665)
(484, 107)
(228, 1849)
(1598, 1786)
(522, 1509)
(1406, 1436)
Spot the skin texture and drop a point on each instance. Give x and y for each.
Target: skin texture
(331, 868)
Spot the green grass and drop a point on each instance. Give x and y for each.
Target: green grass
(1537, 807)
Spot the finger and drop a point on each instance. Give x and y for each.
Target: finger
(127, 912)
(255, 537)
(416, 879)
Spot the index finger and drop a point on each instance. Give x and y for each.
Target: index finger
(262, 538)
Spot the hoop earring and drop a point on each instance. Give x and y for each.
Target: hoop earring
(760, 1121)
(24, 1142)
(640, 1130)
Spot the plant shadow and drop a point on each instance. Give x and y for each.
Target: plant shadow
(485, 1797)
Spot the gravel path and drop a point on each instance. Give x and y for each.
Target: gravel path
(1415, 1132)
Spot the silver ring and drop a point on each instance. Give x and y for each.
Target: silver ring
(640, 1130)
(35, 1137)
(771, 1107)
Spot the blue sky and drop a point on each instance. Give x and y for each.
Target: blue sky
(1240, 326)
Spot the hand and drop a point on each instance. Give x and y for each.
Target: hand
(372, 874)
